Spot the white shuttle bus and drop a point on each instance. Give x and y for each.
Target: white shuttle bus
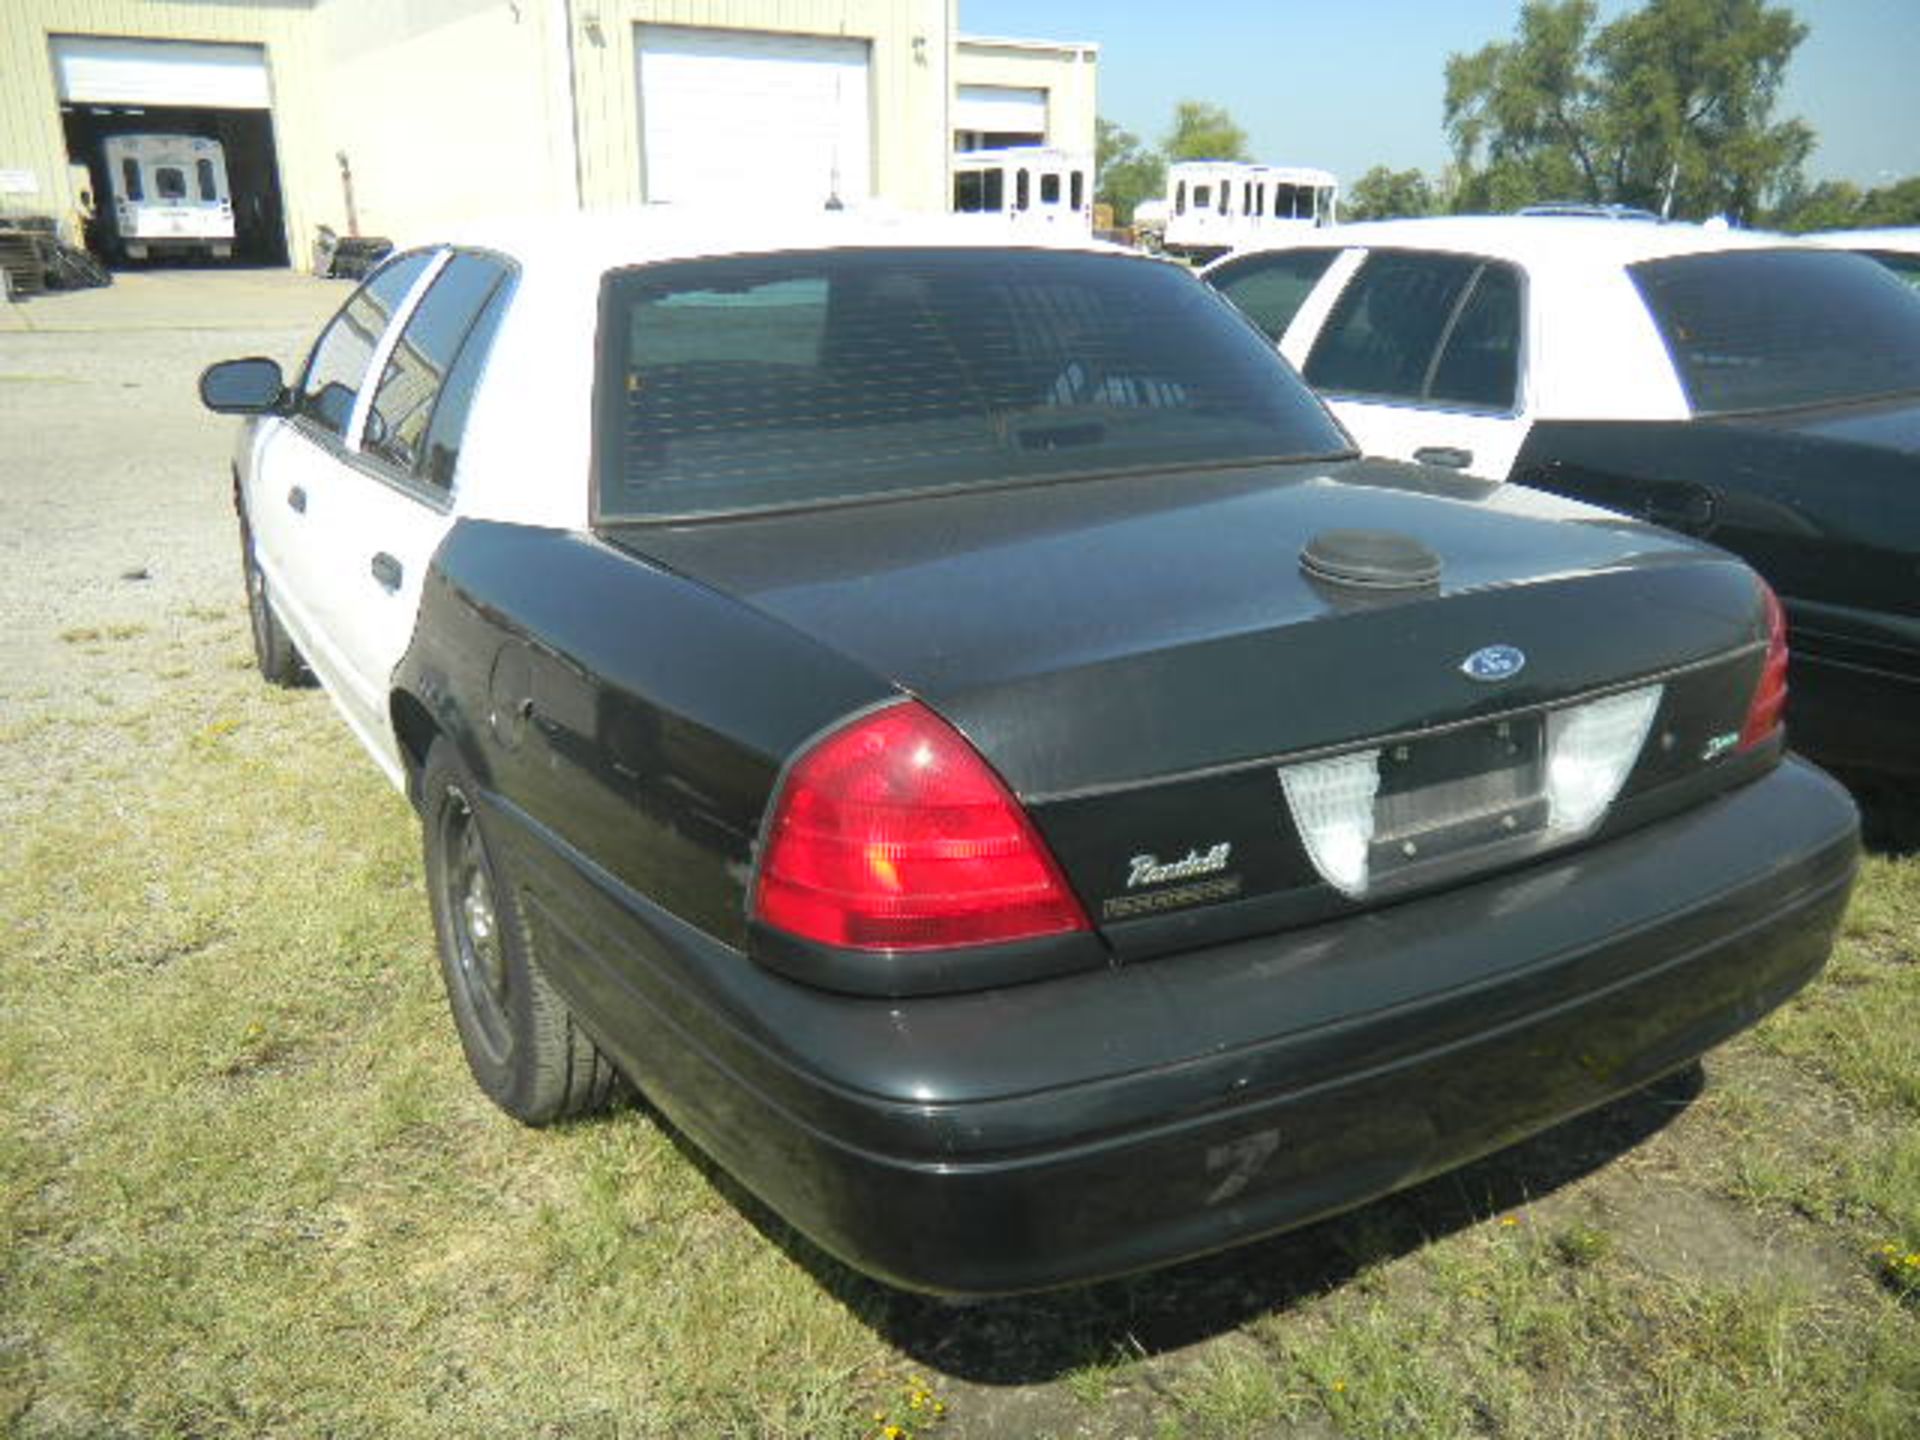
(169, 194)
(1026, 184)
(1214, 206)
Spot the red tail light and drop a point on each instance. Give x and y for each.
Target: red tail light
(1769, 701)
(893, 834)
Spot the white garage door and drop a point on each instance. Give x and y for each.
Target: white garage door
(107, 70)
(745, 118)
(1000, 109)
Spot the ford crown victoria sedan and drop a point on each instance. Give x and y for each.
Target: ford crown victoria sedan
(955, 725)
(1745, 389)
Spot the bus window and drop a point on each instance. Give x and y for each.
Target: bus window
(1077, 190)
(130, 179)
(169, 182)
(1021, 194)
(1180, 198)
(203, 171)
(1049, 189)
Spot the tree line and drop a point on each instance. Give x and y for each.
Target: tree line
(1669, 108)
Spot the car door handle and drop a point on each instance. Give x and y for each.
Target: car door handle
(1691, 511)
(1450, 457)
(386, 570)
(297, 499)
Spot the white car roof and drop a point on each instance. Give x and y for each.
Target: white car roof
(594, 243)
(1532, 240)
(1888, 237)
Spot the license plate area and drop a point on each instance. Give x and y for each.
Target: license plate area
(1445, 796)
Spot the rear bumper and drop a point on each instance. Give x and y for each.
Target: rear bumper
(1062, 1131)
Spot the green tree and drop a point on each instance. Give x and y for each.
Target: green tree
(1204, 132)
(1830, 205)
(1841, 205)
(1383, 194)
(1897, 204)
(1691, 87)
(1668, 107)
(1127, 173)
(1521, 115)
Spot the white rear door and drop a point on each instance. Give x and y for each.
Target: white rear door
(1422, 356)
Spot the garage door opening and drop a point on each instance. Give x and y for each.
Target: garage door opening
(112, 86)
(259, 220)
(999, 117)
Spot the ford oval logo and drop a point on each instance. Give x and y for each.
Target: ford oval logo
(1495, 662)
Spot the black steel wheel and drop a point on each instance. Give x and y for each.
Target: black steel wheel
(522, 1044)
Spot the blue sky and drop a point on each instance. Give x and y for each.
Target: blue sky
(1349, 86)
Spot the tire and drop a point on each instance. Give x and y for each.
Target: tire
(522, 1044)
(273, 650)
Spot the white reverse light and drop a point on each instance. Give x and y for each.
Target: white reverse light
(1332, 805)
(1590, 750)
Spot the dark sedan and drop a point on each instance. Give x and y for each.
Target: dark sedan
(1741, 388)
(957, 728)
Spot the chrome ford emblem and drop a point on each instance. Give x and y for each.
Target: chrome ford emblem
(1494, 662)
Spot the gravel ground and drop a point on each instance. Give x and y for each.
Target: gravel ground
(116, 528)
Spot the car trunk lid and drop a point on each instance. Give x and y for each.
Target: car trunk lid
(1137, 655)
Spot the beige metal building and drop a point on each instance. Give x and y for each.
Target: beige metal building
(400, 117)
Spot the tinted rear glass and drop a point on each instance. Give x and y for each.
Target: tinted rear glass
(774, 381)
(1775, 329)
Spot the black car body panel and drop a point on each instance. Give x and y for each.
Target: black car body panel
(1825, 504)
(642, 717)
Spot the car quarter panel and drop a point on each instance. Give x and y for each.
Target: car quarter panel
(634, 719)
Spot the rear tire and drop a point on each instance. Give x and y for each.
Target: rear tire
(522, 1044)
(273, 649)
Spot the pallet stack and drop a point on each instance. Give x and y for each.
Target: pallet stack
(24, 259)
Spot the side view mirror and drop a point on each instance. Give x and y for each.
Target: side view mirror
(244, 387)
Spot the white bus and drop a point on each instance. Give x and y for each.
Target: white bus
(1214, 206)
(169, 195)
(1026, 184)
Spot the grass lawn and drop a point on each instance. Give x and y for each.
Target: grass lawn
(246, 1187)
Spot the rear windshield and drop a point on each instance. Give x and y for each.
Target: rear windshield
(774, 381)
(1777, 329)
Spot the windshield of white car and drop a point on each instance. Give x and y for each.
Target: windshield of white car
(1755, 330)
(772, 382)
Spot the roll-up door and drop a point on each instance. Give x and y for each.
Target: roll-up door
(746, 118)
(112, 70)
(1001, 109)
